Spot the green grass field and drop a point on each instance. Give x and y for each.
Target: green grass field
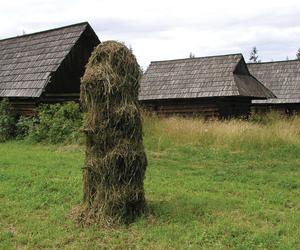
(216, 185)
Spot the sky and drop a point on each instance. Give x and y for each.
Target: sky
(169, 29)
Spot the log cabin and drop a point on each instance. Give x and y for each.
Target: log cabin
(283, 79)
(45, 67)
(214, 86)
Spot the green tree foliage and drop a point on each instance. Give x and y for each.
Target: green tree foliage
(254, 55)
(7, 120)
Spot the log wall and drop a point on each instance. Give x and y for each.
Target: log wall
(204, 107)
(287, 108)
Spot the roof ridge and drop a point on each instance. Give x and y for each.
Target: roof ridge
(201, 57)
(270, 62)
(45, 31)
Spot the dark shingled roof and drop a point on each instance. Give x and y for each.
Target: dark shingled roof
(215, 76)
(26, 62)
(282, 78)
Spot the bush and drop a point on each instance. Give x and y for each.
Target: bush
(57, 123)
(7, 120)
(25, 126)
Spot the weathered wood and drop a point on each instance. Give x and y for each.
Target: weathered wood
(207, 107)
(203, 77)
(285, 108)
(45, 67)
(209, 86)
(283, 78)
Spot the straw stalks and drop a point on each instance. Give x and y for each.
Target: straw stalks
(115, 163)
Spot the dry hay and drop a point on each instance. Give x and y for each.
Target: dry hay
(115, 163)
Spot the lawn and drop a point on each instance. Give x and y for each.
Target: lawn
(218, 185)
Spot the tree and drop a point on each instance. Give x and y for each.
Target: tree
(192, 55)
(254, 55)
(115, 162)
(298, 54)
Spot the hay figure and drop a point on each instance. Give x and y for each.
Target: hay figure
(115, 163)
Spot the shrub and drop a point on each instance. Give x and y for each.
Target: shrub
(25, 126)
(7, 120)
(57, 123)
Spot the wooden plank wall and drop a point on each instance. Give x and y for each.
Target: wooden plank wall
(51, 98)
(28, 106)
(289, 108)
(204, 107)
(25, 107)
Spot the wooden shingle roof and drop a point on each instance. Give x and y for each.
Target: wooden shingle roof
(214, 76)
(282, 78)
(26, 62)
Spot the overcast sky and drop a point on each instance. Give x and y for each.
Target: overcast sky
(163, 29)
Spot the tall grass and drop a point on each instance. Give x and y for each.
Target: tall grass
(259, 131)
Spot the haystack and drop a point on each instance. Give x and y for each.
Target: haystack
(115, 162)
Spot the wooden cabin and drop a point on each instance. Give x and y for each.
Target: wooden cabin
(45, 67)
(215, 86)
(283, 79)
